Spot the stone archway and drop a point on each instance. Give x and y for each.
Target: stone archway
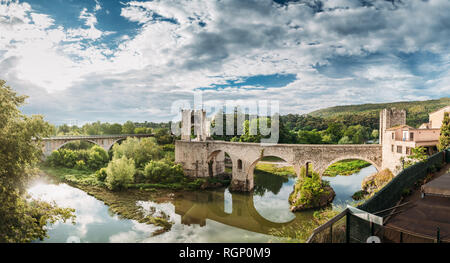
(351, 157)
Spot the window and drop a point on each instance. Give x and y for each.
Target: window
(392, 148)
(411, 136)
(393, 135)
(240, 164)
(408, 150)
(399, 149)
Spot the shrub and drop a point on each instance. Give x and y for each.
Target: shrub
(98, 158)
(80, 165)
(101, 174)
(163, 172)
(120, 173)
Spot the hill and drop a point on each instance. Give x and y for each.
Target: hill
(417, 111)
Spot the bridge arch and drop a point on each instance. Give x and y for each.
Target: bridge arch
(252, 166)
(217, 162)
(84, 140)
(350, 157)
(110, 146)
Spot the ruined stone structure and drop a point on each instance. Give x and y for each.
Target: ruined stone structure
(201, 157)
(105, 141)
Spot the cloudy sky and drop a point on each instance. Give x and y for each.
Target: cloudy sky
(114, 61)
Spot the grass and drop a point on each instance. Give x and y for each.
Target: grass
(345, 167)
(284, 171)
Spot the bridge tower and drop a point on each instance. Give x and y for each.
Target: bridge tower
(198, 119)
(390, 118)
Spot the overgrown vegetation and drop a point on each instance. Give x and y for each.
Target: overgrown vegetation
(372, 184)
(311, 192)
(22, 219)
(135, 163)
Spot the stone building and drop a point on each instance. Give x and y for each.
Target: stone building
(397, 138)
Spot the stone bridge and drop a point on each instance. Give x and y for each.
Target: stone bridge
(105, 141)
(207, 158)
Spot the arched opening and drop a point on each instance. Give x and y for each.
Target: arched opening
(220, 164)
(239, 165)
(346, 175)
(274, 179)
(77, 145)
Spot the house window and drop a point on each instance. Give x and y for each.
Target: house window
(240, 164)
(411, 136)
(408, 150)
(399, 149)
(393, 135)
(392, 148)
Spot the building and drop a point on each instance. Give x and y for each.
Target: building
(397, 138)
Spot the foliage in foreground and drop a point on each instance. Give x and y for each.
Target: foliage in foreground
(300, 232)
(444, 138)
(21, 219)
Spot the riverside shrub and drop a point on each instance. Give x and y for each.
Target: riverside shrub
(163, 172)
(119, 173)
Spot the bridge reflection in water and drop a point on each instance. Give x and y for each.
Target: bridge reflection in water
(197, 207)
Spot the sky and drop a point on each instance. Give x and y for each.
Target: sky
(88, 60)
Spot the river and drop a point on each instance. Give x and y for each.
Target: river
(202, 216)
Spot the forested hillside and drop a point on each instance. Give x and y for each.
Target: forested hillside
(417, 112)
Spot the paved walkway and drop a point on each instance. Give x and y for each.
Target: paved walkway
(419, 219)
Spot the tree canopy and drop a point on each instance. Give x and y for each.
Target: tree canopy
(21, 220)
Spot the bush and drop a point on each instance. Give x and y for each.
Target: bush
(120, 173)
(163, 172)
(101, 174)
(98, 158)
(80, 165)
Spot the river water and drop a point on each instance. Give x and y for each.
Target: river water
(203, 216)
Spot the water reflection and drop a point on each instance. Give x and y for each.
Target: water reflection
(203, 216)
(346, 186)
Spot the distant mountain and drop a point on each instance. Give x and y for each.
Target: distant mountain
(417, 111)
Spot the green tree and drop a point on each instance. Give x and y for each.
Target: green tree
(444, 138)
(141, 151)
(309, 137)
(418, 154)
(163, 136)
(120, 173)
(128, 127)
(21, 220)
(336, 131)
(375, 134)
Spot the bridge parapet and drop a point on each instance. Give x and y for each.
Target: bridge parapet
(105, 141)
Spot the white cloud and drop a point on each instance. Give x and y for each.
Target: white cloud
(184, 45)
